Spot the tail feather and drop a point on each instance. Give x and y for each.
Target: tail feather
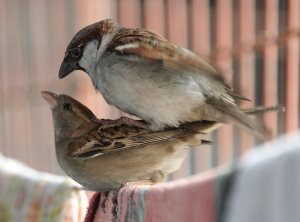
(238, 96)
(262, 109)
(206, 127)
(221, 111)
(238, 118)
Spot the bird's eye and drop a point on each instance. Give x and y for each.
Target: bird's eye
(67, 107)
(76, 52)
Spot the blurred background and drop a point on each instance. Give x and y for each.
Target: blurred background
(254, 44)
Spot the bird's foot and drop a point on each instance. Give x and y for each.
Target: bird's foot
(107, 123)
(125, 185)
(136, 183)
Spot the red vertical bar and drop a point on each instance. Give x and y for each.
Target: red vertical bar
(177, 22)
(270, 69)
(57, 38)
(3, 70)
(200, 45)
(16, 85)
(39, 80)
(102, 9)
(224, 64)
(200, 12)
(247, 63)
(130, 13)
(292, 69)
(154, 16)
(177, 34)
(39, 53)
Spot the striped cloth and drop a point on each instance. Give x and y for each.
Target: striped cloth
(191, 199)
(264, 187)
(29, 195)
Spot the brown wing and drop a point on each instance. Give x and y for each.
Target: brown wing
(143, 45)
(119, 138)
(131, 44)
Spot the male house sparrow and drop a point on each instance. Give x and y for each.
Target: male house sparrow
(104, 159)
(143, 74)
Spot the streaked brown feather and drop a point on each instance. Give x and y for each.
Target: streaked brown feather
(120, 138)
(154, 47)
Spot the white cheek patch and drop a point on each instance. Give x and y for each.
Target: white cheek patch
(88, 60)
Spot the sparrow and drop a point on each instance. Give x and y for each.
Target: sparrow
(105, 159)
(145, 75)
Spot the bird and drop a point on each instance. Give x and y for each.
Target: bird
(145, 75)
(105, 159)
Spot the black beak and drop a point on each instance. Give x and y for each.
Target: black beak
(66, 68)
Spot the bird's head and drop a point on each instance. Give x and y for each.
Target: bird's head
(70, 117)
(87, 46)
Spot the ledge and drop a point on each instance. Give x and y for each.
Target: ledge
(191, 199)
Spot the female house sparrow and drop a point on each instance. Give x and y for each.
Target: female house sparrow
(143, 74)
(104, 159)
